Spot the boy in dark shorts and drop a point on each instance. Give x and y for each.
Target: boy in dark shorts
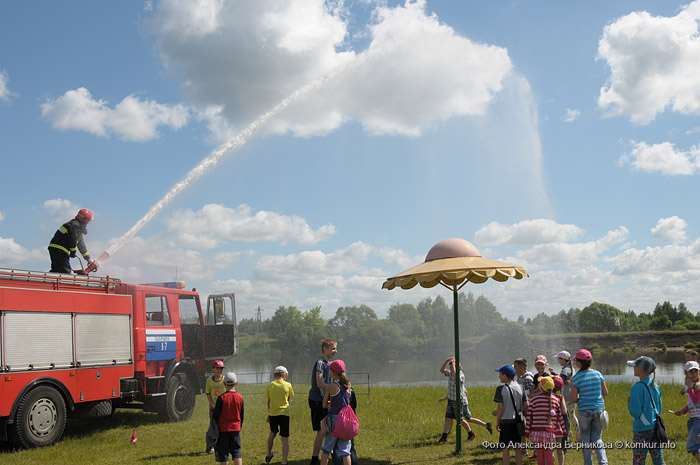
(320, 379)
(278, 393)
(228, 412)
(510, 399)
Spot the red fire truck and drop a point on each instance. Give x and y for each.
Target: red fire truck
(81, 346)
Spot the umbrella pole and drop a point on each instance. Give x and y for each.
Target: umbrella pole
(458, 381)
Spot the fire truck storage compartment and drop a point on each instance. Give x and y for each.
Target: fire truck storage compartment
(103, 339)
(44, 340)
(36, 341)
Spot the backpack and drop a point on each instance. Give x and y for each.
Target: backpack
(346, 424)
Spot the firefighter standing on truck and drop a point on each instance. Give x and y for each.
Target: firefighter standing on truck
(69, 239)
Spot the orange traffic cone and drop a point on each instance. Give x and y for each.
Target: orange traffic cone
(133, 436)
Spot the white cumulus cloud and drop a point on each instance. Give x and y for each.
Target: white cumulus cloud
(653, 263)
(573, 253)
(12, 253)
(61, 207)
(662, 158)
(421, 68)
(216, 224)
(132, 119)
(5, 93)
(571, 115)
(314, 264)
(670, 229)
(528, 232)
(654, 64)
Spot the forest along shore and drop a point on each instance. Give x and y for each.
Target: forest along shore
(642, 340)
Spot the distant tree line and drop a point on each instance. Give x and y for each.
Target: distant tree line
(598, 317)
(409, 330)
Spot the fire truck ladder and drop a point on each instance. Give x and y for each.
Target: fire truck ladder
(153, 386)
(60, 280)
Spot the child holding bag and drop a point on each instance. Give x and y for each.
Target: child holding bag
(544, 421)
(644, 403)
(335, 398)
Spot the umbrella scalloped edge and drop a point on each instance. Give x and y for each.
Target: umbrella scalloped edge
(455, 278)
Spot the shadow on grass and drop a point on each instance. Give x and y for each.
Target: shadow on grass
(481, 456)
(87, 427)
(173, 455)
(81, 428)
(426, 441)
(360, 459)
(364, 461)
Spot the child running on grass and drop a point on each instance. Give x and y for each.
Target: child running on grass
(544, 421)
(448, 369)
(692, 373)
(214, 388)
(278, 393)
(228, 413)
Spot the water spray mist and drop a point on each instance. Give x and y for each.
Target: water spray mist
(211, 160)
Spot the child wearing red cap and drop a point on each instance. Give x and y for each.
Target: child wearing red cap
(214, 388)
(589, 391)
(335, 398)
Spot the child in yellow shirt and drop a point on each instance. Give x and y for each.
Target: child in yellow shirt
(278, 393)
(214, 388)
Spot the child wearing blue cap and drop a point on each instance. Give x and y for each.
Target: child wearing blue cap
(644, 404)
(511, 401)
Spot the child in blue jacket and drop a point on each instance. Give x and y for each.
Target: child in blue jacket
(644, 403)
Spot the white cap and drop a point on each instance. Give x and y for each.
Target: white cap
(281, 369)
(691, 366)
(230, 378)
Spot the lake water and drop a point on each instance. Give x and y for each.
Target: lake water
(477, 370)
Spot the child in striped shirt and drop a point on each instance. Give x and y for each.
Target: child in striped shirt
(544, 421)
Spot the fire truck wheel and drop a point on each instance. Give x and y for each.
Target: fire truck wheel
(179, 401)
(40, 418)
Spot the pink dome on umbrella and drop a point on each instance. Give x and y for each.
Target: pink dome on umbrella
(452, 248)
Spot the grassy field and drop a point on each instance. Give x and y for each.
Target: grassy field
(398, 426)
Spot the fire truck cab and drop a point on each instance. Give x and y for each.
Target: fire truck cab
(79, 346)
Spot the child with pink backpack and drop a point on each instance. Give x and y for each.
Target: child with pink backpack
(343, 422)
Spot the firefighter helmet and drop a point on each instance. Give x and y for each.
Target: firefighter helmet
(84, 216)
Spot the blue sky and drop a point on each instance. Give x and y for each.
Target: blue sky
(559, 136)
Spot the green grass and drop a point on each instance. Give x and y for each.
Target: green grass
(398, 426)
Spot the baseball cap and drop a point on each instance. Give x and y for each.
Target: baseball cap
(507, 370)
(337, 365)
(218, 364)
(645, 363)
(541, 359)
(547, 383)
(583, 354)
(563, 354)
(558, 382)
(692, 366)
(230, 378)
(281, 369)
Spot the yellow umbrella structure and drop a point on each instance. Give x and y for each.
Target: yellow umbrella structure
(453, 263)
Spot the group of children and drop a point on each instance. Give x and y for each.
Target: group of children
(534, 407)
(226, 410)
(529, 407)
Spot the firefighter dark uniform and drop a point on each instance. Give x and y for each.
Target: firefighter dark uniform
(67, 241)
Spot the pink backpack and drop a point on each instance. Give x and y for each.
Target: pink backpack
(346, 424)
